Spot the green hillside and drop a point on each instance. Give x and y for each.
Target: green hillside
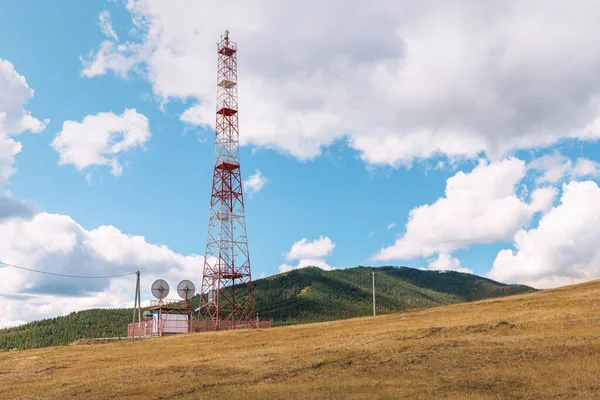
(311, 294)
(299, 296)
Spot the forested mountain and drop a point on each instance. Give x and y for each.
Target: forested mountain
(298, 296)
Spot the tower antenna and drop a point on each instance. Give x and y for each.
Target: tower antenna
(227, 299)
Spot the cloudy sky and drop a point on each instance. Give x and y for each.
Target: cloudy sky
(438, 134)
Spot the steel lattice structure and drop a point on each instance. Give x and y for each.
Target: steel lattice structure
(227, 298)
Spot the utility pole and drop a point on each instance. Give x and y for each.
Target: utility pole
(139, 301)
(136, 303)
(133, 320)
(373, 291)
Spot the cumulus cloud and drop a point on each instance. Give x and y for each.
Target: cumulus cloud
(18, 309)
(445, 262)
(318, 248)
(306, 263)
(563, 248)
(114, 57)
(56, 243)
(8, 149)
(310, 254)
(479, 207)
(100, 138)
(14, 119)
(456, 79)
(255, 182)
(554, 167)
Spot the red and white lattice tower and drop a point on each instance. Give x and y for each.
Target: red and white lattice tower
(227, 299)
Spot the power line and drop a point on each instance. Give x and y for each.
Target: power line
(143, 287)
(66, 275)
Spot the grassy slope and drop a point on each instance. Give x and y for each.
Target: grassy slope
(300, 296)
(532, 346)
(311, 294)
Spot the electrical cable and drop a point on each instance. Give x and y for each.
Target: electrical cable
(145, 291)
(67, 275)
(274, 307)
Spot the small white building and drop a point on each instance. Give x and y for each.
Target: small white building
(166, 324)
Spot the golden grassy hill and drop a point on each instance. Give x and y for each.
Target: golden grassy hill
(544, 345)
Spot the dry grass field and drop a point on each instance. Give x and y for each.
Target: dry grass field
(544, 345)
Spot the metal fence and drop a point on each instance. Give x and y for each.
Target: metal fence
(138, 329)
(209, 326)
(161, 327)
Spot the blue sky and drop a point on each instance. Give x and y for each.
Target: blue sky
(389, 114)
(164, 193)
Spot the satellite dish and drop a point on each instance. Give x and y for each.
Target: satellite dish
(160, 289)
(186, 289)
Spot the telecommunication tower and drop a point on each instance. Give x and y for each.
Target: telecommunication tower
(227, 299)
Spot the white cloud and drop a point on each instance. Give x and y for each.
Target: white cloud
(118, 58)
(392, 225)
(106, 25)
(585, 168)
(56, 243)
(18, 309)
(442, 78)
(445, 262)
(554, 167)
(479, 207)
(8, 149)
(306, 263)
(318, 248)
(310, 254)
(100, 138)
(255, 182)
(14, 119)
(563, 249)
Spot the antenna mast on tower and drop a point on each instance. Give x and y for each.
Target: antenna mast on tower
(227, 299)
